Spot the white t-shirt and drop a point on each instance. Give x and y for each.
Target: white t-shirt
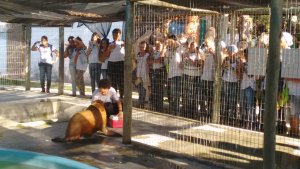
(189, 68)
(174, 57)
(229, 75)
(248, 81)
(208, 68)
(142, 67)
(94, 55)
(118, 53)
(105, 64)
(156, 55)
(72, 53)
(111, 96)
(45, 54)
(82, 61)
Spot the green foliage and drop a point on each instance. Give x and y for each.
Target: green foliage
(262, 23)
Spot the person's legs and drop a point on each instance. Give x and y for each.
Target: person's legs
(92, 71)
(112, 74)
(249, 99)
(73, 74)
(80, 82)
(175, 93)
(98, 73)
(48, 74)
(104, 73)
(142, 95)
(42, 68)
(120, 78)
(233, 100)
(185, 95)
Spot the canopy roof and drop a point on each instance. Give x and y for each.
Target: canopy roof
(66, 12)
(61, 12)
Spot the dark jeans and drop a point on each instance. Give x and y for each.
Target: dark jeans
(247, 104)
(229, 100)
(45, 70)
(157, 88)
(116, 76)
(95, 74)
(190, 95)
(142, 94)
(175, 88)
(111, 109)
(206, 97)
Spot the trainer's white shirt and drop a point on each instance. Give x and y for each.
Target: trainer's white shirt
(111, 96)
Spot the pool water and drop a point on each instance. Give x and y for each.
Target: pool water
(14, 165)
(19, 159)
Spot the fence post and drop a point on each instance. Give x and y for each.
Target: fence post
(217, 80)
(272, 72)
(128, 73)
(61, 73)
(27, 56)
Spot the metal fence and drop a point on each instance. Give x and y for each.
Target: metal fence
(12, 65)
(188, 98)
(208, 105)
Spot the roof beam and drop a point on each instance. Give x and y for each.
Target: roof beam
(169, 5)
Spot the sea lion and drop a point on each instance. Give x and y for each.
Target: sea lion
(85, 123)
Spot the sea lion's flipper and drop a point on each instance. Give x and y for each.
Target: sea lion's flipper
(110, 133)
(58, 139)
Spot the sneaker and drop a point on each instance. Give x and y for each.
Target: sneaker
(43, 91)
(48, 91)
(81, 96)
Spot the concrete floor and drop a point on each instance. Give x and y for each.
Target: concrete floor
(211, 144)
(99, 151)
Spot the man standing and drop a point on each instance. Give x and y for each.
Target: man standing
(46, 61)
(116, 62)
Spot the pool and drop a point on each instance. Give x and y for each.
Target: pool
(19, 159)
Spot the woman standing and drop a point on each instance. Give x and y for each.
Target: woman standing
(103, 57)
(70, 52)
(81, 65)
(192, 63)
(93, 57)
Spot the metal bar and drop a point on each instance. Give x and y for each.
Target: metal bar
(170, 5)
(273, 66)
(233, 26)
(27, 56)
(217, 75)
(128, 73)
(61, 70)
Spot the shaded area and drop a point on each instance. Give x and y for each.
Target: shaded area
(228, 145)
(99, 151)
